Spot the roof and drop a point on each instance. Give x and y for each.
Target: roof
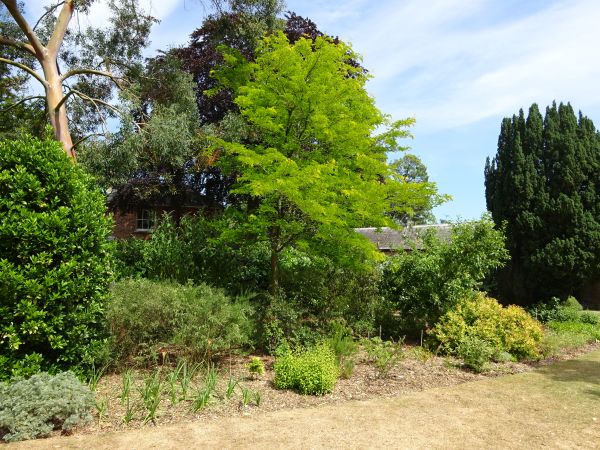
(388, 239)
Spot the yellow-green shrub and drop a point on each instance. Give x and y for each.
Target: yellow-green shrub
(313, 371)
(509, 329)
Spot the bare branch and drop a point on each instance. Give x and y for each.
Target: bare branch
(49, 11)
(23, 100)
(18, 45)
(61, 26)
(83, 71)
(13, 9)
(27, 69)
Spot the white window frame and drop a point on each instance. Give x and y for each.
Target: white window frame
(144, 220)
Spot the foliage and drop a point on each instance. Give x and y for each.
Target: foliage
(562, 336)
(315, 165)
(34, 407)
(343, 345)
(80, 65)
(424, 284)
(385, 355)
(149, 319)
(256, 366)
(509, 329)
(411, 169)
(314, 291)
(310, 372)
(475, 352)
(55, 262)
(543, 184)
(569, 310)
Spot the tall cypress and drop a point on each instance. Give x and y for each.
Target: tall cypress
(544, 185)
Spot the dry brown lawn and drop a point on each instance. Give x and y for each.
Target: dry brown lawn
(556, 406)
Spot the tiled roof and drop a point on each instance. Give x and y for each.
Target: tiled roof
(387, 239)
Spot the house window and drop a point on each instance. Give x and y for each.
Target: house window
(145, 220)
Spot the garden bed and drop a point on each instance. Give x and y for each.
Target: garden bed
(418, 371)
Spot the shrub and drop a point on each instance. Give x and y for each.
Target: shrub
(344, 347)
(55, 263)
(385, 355)
(198, 322)
(313, 371)
(509, 329)
(256, 366)
(34, 407)
(475, 352)
(423, 285)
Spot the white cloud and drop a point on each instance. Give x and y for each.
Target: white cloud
(100, 11)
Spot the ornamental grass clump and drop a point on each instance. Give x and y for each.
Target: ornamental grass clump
(310, 372)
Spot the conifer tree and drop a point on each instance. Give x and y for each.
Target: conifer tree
(544, 183)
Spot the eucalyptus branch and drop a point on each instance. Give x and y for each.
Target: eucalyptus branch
(82, 71)
(23, 100)
(27, 69)
(85, 138)
(61, 26)
(17, 44)
(32, 37)
(96, 102)
(49, 11)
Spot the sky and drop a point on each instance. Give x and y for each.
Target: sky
(457, 66)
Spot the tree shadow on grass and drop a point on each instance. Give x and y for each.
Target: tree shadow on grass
(576, 370)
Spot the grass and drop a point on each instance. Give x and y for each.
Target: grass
(566, 336)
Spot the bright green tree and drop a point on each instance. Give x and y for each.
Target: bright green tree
(312, 161)
(543, 182)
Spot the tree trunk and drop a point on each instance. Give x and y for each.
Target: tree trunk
(58, 117)
(274, 285)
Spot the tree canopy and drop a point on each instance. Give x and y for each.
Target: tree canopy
(543, 182)
(311, 158)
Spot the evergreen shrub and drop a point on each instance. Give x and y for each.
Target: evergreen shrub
(55, 260)
(34, 407)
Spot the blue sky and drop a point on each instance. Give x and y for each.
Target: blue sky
(457, 66)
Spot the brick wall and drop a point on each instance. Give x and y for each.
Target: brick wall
(126, 222)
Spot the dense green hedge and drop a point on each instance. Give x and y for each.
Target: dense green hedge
(54, 260)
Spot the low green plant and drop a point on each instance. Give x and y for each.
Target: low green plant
(95, 376)
(173, 389)
(34, 407)
(313, 371)
(246, 395)
(187, 373)
(344, 346)
(151, 395)
(127, 382)
(205, 394)
(257, 398)
(384, 355)
(102, 408)
(197, 323)
(589, 317)
(256, 367)
(475, 352)
(230, 388)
